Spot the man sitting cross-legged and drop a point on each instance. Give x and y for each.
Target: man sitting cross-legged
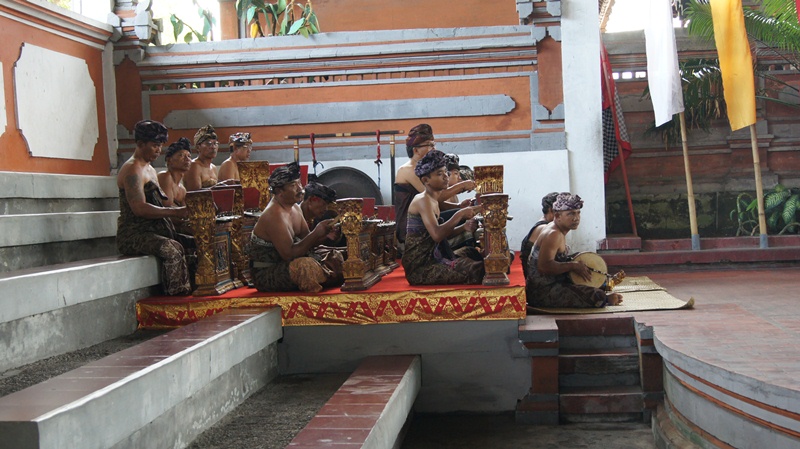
(282, 256)
(428, 258)
(144, 225)
(548, 283)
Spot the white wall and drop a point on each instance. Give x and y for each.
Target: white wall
(583, 109)
(527, 178)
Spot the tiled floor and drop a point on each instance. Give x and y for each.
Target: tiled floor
(744, 321)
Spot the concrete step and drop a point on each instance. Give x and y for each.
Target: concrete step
(598, 367)
(35, 240)
(31, 193)
(601, 404)
(43, 311)
(161, 393)
(371, 408)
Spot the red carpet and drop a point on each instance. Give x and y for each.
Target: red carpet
(392, 300)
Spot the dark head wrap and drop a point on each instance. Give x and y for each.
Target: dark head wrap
(283, 175)
(239, 140)
(150, 131)
(431, 162)
(567, 201)
(466, 173)
(418, 134)
(205, 133)
(452, 161)
(320, 191)
(547, 201)
(182, 144)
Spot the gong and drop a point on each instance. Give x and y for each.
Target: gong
(350, 183)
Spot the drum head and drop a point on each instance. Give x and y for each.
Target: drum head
(592, 260)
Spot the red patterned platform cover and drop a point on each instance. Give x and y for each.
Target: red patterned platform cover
(392, 300)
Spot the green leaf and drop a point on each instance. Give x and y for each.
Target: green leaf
(188, 37)
(251, 11)
(284, 25)
(772, 221)
(775, 199)
(752, 206)
(281, 4)
(296, 26)
(240, 5)
(304, 31)
(206, 29)
(790, 209)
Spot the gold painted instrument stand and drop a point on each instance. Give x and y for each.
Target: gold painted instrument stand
(496, 261)
(359, 267)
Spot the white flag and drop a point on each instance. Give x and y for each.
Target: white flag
(663, 76)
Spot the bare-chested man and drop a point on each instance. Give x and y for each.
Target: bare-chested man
(240, 145)
(548, 283)
(202, 173)
(282, 256)
(144, 225)
(178, 159)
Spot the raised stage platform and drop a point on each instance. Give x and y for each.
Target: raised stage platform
(392, 300)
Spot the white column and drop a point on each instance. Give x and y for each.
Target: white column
(581, 73)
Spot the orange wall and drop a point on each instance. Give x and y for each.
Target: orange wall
(368, 15)
(16, 156)
(517, 119)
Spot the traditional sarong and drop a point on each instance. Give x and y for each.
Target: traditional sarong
(429, 263)
(544, 290)
(273, 274)
(138, 236)
(403, 194)
(525, 250)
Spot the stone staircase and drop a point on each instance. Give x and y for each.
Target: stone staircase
(590, 369)
(598, 372)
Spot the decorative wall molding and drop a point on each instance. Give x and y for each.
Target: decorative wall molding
(467, 106)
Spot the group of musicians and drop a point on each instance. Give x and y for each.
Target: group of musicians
(286, 252)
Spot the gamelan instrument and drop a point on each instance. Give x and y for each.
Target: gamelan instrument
(597, 266)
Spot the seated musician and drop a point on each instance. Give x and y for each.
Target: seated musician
(428, 258)
(202, 173)
(407, 184)
(144, 225)
(548, 283)
(315, 203)
(178, 159)
(533, 234)
(240, 145)
(282, 256)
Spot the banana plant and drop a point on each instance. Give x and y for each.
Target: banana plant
(280, 18)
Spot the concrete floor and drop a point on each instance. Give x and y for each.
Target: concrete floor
(501, 432)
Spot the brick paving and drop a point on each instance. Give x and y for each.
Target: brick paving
(744, 323)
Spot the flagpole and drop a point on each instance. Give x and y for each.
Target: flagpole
(762, 220)
(621, 152)
(689, 186)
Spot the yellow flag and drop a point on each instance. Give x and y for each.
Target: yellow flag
(735, 62)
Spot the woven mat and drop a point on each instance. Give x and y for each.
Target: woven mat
(639, 293)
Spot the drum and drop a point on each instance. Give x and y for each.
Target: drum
(597, 267)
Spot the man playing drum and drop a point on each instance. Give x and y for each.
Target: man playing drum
(548, 283)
